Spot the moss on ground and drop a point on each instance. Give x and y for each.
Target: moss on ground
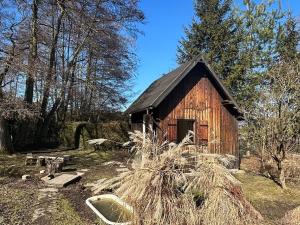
(16, 203)
(18, 197)
(13, 166)
(267, 197)
(66, 215)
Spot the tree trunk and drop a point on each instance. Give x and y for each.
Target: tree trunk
(281, 175)
(5, 139)
(43, 124)
(52, 60)
(32, 54)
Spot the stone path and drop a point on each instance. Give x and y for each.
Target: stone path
(47, 198)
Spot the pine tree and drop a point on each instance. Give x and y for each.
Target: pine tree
(288, 40)
(215, 34)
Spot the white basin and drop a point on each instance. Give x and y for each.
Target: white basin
(112, 198)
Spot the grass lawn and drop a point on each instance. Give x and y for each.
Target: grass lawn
(21, 202)
(268, 198)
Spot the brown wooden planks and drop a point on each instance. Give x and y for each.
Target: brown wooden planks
(198, 99)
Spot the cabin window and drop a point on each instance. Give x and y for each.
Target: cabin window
(183, 127)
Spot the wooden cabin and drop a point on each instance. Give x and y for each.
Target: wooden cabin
(191, 97)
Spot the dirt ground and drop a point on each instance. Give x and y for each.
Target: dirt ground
(32, 202)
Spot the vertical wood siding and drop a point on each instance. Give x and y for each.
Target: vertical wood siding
(196, 98)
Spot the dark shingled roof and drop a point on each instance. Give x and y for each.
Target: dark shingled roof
(161, 87)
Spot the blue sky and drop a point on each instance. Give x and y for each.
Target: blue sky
(164, 27)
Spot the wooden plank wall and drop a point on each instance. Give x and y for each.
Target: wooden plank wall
(197, 99)
(229, 133)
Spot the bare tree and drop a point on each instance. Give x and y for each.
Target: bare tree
(276, 119)
(33, 45)
(69, 60)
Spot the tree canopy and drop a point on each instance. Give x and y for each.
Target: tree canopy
(66, 60)
(240, 43)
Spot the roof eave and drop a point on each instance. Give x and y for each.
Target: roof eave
(189, 67)
(228, 95)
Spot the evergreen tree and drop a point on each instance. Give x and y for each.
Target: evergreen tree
(216, 35)
(288, 40)
(240, 44)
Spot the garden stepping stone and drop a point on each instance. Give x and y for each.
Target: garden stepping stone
(62, 180)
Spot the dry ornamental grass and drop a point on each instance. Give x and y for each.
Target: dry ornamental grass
(291, 218)
(166, 187)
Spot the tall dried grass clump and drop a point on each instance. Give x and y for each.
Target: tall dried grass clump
(166, 187)
(291, 218)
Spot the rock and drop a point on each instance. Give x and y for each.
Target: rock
(48, 190)
(26, 177)
(248, 154)
(236, 171)
(241, 172)
(83, 170)
(112, 163)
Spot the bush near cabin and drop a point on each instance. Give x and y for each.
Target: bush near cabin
(117, 131)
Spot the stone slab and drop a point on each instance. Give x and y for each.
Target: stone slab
(26, 177)
(83, 170)
(80, 173)
(63, 180)
(112, 163)
(236, 171)
(48, 190)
